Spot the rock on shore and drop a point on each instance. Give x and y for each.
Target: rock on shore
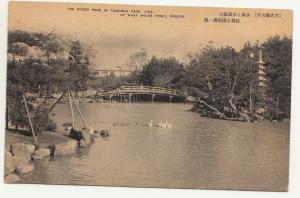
(86, 141)
(11, 178)
(76, 134)
(8, 163)
(65, 148)
(24, 150)
(85, 137)
(22, 166)
(41, 153)
(104, 133)
(19, 156)
(17, 161)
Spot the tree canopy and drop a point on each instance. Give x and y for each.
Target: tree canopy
(45, 64)
(222, 76)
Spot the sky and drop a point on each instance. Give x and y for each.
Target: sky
(116, 37)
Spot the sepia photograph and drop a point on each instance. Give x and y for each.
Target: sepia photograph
(148, 96)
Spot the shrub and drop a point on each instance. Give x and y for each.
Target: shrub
(40, 119)
(51, 125)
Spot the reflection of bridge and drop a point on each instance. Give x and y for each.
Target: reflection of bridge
(143, 93)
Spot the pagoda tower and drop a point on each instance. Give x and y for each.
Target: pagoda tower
(261, 82)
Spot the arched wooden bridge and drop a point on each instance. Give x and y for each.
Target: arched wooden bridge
(143, 93)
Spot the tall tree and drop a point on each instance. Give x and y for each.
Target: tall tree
(37, 63)
(162, 72)
(215, 72)
(137, 60)
(277, 53)
(78, 67)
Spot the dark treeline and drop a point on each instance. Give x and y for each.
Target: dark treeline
(48, 64)
(220, 76)
(223, 76)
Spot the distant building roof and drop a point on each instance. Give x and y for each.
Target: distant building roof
(109, 72)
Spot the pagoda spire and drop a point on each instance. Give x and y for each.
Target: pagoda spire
(261, 70)
(261, 82)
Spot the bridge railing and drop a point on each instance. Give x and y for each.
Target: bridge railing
(147, 89)
(144, 89)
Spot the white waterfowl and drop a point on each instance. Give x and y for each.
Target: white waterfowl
(150, 124)
(160, 124)
(165, 124)
(169, 125)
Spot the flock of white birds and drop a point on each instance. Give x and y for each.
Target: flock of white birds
(161, 124)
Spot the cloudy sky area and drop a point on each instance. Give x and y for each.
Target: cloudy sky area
(115, 38)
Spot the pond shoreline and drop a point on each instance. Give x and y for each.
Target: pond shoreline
(21, 152)
(244, 115)
(168, 157)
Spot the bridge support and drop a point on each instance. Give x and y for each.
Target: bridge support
(152, 97)
(142, 93)
(170, 99)
(129, 98)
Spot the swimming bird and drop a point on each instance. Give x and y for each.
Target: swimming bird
(169, 125)
(160, 124)
(165, 124)
(150, 124)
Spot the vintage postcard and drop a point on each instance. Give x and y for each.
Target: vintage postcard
(148, 96)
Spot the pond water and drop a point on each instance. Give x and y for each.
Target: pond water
(196, 152)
